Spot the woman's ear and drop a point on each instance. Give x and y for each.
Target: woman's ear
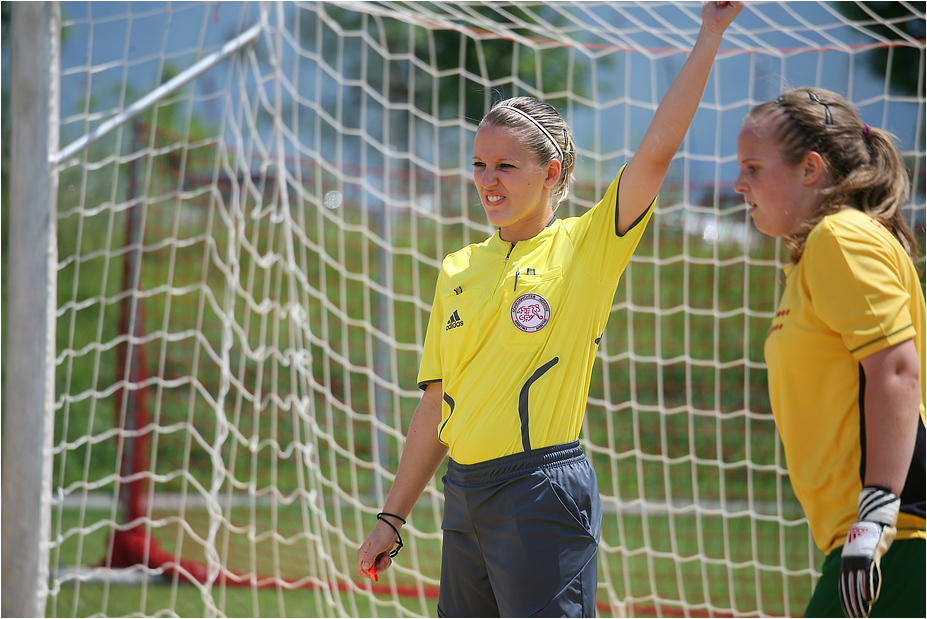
(813, 168)
(553, 173)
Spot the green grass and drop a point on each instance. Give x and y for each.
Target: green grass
(647, 560)
(185, 600)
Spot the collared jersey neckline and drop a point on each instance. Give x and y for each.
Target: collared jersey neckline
(497, 243)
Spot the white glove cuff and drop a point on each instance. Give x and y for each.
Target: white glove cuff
(878, 504)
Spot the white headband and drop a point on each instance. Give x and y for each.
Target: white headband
(537, 124)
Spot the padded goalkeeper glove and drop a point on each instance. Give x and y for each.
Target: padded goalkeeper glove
(868, 539)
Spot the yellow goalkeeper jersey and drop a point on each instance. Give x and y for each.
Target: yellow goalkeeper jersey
(848, 297)
(514, 330)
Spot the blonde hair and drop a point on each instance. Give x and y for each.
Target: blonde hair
(544, 132)
(866, 165)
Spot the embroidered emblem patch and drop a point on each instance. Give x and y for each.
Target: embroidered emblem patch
(530, 312)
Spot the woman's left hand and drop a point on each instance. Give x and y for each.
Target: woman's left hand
(717, 16)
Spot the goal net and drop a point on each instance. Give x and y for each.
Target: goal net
(255, 199)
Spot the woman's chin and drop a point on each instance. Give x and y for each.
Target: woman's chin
(496, 219)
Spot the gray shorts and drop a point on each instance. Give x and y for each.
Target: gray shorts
(521, 536)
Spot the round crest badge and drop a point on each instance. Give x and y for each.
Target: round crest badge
(530, 312)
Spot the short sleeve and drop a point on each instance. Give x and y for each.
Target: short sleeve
(856, 288)
(606, 253)
(430, 369)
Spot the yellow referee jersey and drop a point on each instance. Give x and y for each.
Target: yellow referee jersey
(514, 331)
(848, 297)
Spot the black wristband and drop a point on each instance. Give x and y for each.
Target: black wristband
(399, 518)
(394, 551)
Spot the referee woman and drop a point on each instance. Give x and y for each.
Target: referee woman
(508, 355)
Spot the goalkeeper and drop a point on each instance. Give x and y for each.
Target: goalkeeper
(508, 355)
(845, 351)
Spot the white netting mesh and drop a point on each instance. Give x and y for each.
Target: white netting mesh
(237, 357)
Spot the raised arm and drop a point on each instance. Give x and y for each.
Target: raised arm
(646, 170)
(420, 459)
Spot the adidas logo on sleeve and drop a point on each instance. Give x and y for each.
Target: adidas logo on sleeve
(454, 321)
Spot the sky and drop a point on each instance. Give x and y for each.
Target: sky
(139, 39)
